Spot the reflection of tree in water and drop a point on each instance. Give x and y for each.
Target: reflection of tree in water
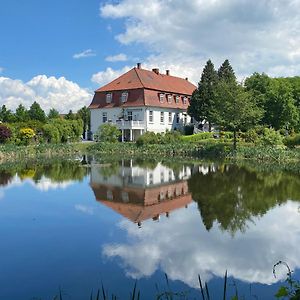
(57, 171)
(5, 177)
(232, 195)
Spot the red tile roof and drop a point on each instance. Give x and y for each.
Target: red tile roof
(140, 78)
(144, 88)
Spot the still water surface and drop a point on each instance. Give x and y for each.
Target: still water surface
(72, 226)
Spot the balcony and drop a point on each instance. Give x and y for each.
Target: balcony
(122, 124)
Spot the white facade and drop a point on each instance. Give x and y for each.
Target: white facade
(134, 121)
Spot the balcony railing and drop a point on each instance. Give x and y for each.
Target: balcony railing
(130, 124)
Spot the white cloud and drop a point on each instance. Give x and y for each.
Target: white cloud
(84, 209)
(85, 53)
(247, 256)
(108, 75)
(253, 35)
(49, 92)
(118, 57)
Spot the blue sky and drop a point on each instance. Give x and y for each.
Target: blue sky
(59, 52)
(41, 37)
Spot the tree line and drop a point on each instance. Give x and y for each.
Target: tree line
(257, 101)
(34, 125)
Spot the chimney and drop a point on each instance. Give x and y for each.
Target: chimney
(167, 72)
(186, 79)
(139, 65)
(156, 71)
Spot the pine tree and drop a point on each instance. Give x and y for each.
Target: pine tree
(53, 114)
(21, 114)
(226, 73)
(36, 112)
(202, 99)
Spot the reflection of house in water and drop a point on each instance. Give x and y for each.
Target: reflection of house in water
(140, 193)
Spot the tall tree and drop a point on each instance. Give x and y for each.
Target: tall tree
(281, 109)
(6, 115)
(84, 114)
(36, 112)
(70, 115)
(226, 72)
(21, 114)
(53, 114)
(234, 108)
(203, 97)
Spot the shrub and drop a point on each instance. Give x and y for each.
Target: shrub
(51, 133)
(271, 137)
(292, 141)
(26, 135)
(5, 133)
(148, 138)
(108, 133)
(151, 138)
(198, 137)
(251, 136)
(188, 129)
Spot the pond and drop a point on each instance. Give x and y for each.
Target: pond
(72, 226)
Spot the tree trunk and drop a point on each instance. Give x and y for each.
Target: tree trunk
(209, 126)
(234, 139)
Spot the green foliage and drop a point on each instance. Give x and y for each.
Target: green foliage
(84, 114)
(36, 112)
(271, 137)
(21, 114)
(188, 129)
(70, 115)
(53, 114)
(51, 133)
(226, 73)
(198, 136)
(5, 133)
(292, 141)
(108, 133)
(151, 138)
(234, 108)
(6, 115)
(203, 97)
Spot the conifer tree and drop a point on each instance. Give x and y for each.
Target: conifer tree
(21, 114)
(226, 73)
(203, 97)
(36, 112)
(53, 114)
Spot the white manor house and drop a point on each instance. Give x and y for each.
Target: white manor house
(142, 100)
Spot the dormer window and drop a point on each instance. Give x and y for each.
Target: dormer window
(169, 98)
(161, 97)
(108, 97)
(177, 99)
(185, 100)
(124, 97)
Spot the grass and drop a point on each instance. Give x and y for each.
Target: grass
(290, 290)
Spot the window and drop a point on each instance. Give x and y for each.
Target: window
(177, 118)
(129, 116)
(124, 96)
(151, 116)
(161, 97)
(170, 118)
(169, 98)
(177, 99)
(184, 100)
(162, 117)
(150, 178)
(162, 177)
(104, 117)
(108, 98)
(185, 119)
